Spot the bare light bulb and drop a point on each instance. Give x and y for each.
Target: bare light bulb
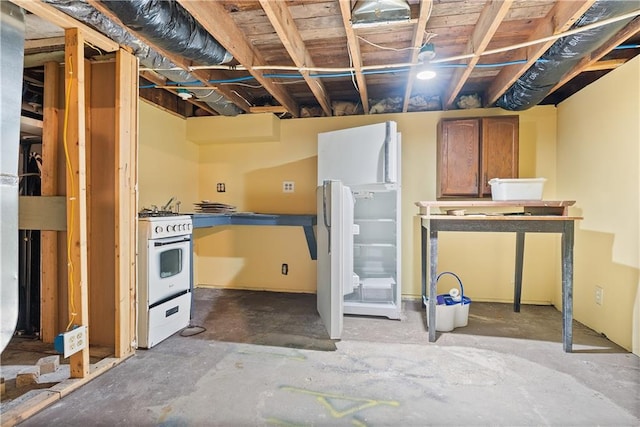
(426, 74)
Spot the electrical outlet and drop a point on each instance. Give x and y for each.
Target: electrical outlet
(220, 187)
(74, 340)
(288, 186)
(599, 295)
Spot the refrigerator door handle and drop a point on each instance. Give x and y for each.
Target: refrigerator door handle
(326, 218)
(387, 142)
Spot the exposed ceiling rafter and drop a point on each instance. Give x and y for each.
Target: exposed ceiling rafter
(353, 47)
(490, 18)
(216, 20)
(64, 21)
(418, 39)
(204, 76)
(281, 19)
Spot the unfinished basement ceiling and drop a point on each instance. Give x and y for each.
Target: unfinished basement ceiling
(306, 58)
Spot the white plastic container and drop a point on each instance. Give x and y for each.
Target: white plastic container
(517, 188)
(445, 317)
(461, 315)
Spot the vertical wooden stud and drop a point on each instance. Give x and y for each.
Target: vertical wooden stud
(49, 239)
(126, 201)
(74, 141)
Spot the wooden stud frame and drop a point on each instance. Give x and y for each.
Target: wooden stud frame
(74, 141)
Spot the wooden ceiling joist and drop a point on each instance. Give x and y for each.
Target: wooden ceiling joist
(204, 76)
(418, 38)
(282, 21)
(216, 20)
(559, 19)
(490, 18)
(64, 21)
(354, 49)
(605, 65)
(43, 43)
(159, 81)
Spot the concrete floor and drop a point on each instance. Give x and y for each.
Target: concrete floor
(265, 359)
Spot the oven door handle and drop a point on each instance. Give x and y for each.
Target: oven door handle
(163, 242)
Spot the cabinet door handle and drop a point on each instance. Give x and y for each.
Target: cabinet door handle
(486, 181)
(476, 180)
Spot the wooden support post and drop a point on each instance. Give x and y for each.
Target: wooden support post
(74, 141)
(126, 201)
(49, 239)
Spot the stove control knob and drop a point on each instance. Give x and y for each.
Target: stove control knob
(170, 228)
(179, 227)
(158, 229)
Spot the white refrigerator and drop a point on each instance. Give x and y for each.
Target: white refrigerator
(358, 230)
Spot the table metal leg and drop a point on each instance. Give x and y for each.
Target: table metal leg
(433, 266)
(567, 286)
(518, 274)
(423, 257)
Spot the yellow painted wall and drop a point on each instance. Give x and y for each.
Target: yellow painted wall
(251, 257)
(599, 165)
(168, 163)
(573, 147)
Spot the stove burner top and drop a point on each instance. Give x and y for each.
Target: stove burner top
(150, 213)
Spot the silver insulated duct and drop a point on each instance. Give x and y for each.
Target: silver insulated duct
(144, 16)
(11, 64)
(536, 83)
(377, 11)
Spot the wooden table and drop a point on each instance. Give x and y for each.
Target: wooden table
(522, 217)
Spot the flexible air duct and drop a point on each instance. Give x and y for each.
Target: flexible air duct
(11, 63)
(536, 83)
(148, 56)
(376, 11)
(168, 25)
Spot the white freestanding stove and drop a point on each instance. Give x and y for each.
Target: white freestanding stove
(164, 276)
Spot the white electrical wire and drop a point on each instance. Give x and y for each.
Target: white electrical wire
(389, 48)
(544, 39)
(351, 69)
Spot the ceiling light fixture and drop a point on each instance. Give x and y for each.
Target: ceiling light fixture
(184, 94)
(426, 74)
(427, 53)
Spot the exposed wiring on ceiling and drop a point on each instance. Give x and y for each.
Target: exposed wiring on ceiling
(350, 69)
(543, 39)
(429, 36)
(395, 49)
(353, 72)
(100, 52)
(257, 86)
(243, 98)
(298, 77)
(291, 83)
(209, 94)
